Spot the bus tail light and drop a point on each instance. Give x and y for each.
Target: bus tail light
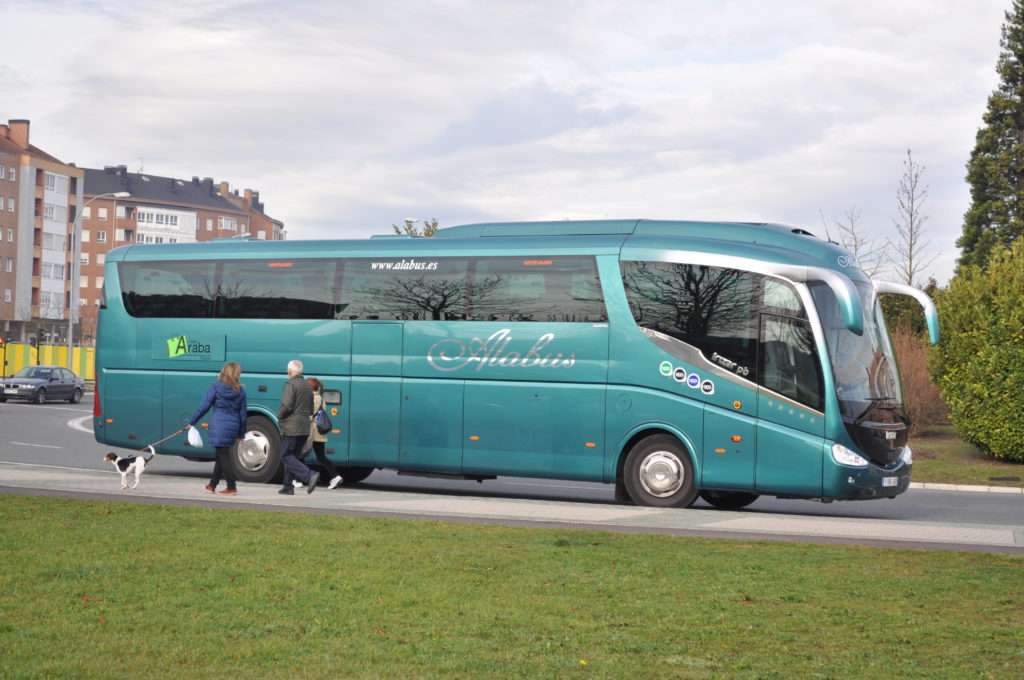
(97, 411)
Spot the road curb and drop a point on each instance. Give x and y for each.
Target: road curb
(971, 488)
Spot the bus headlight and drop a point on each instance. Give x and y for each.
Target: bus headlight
(907, 457)
(844, 456)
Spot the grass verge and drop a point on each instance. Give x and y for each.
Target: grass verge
(107, 590)
(941, 456)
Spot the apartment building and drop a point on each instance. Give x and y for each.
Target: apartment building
(157, 210)
(39, 195)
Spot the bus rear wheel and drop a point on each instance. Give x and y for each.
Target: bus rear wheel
(658, 473)
(728, 500)
(258, 456)
(353, 475)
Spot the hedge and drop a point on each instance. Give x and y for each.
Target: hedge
(979, 363)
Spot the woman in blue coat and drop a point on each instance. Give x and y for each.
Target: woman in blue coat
(227, 425)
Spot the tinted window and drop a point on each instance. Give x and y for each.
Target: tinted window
(277, 289)
(407, 289)
(168, 289)
(789, 363)
(710, 308)
(551, 289)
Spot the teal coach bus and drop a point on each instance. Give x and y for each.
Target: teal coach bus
(669, 358)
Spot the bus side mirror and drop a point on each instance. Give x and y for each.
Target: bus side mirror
(332, 397)
(931, 315)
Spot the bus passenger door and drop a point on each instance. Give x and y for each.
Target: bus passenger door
(375, 393)
(730, 449)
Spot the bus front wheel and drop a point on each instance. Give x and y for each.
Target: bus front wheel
(258, 456)
(658, 472)
(728, 500)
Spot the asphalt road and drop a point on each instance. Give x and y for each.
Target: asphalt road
(57, 435)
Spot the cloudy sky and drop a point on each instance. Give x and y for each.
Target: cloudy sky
(349, 116)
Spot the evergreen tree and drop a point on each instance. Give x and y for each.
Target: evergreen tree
(996, 168)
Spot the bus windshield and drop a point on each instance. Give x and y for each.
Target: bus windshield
(864, 366)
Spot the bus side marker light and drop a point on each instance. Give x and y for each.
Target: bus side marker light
(720, 451)
(591, 445)
(334, 411)
(108, 421)
(205, 426)
(335, 431)
(736, 439)
(474, 437)
(737, 404)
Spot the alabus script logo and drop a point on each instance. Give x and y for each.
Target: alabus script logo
(453, 354)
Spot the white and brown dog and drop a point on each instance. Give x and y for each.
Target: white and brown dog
(128, 465)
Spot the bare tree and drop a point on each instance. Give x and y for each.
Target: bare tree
(909, 253)
(409, 228)
(869, 255)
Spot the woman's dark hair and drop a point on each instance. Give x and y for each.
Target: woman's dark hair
(315, 384)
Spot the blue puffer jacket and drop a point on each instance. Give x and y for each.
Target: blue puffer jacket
(228, 421)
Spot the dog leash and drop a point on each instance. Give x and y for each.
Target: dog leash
(151, 447)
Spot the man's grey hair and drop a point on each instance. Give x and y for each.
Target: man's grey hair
(295, 367)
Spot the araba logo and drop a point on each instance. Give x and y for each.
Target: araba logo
(180, 346)
(452, 354)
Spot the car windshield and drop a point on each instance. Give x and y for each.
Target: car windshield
(864, 366)
(34, 372)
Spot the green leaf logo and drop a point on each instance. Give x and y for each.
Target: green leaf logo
(177, 347)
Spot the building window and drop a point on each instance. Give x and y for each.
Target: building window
(87, 211)
(10, 204)
(53, 271)
(83, 282)
(101, 237)
(83, 259)
(82, 302)
(51, 181)
(129, 234)
(99, 281)
(85, 236)
(172, 240)
(10, 235)
(3, 170)
(49, 211)
(159, 218)
(120, 212)
(53, 242)
(228, 223)
(102, 212)
(7, 294)
(158, 239)
(101, 258)
(209, 224)
(12, 175)
(8, 264)
(261, 235)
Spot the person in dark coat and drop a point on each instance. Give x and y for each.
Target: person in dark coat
(227, 425)
(294, 417)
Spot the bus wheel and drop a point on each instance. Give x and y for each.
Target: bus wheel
(658, 472)
(258, 457)
(622, 495)
(728, 500)
(353, 475)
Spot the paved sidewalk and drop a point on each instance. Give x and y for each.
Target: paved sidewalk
(22, 478)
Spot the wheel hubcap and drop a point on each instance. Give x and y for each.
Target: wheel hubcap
(662, 474)
(253, 451)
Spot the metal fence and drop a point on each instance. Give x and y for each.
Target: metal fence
(17, 355)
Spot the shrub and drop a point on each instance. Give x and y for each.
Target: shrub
(979, 363)
(921, 397)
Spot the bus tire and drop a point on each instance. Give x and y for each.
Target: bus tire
(259, 463)
(622, 495)
(728, 500)
(659, 473)
(353, 475)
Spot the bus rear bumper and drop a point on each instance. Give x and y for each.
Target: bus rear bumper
(855, 484)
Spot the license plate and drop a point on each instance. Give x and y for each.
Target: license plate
(890, 481)
(10, 390)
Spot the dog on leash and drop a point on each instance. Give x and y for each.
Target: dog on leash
(128, 465)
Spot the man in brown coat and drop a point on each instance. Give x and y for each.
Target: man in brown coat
(293, 417)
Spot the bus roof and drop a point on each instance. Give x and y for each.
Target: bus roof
(763, 241)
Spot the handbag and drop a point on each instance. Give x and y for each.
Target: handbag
(322, 421)
(194, 438)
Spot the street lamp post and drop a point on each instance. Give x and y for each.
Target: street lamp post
(76, 240)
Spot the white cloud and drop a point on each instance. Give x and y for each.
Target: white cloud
(348, 117)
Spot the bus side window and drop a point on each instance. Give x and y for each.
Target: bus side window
(789, 363)
(546, 289)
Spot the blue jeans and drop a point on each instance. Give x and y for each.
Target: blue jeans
(293, 467)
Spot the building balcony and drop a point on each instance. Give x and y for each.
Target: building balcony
(37, 281)
(37, 252)
(39, 191)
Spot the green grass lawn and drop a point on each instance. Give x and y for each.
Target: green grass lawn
(109, 590)
(941, 456)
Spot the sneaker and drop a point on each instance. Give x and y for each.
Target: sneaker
(296, 484)
(335, 482)
(211, 488)
(313, 479)
(286, 491)
(228, 492)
